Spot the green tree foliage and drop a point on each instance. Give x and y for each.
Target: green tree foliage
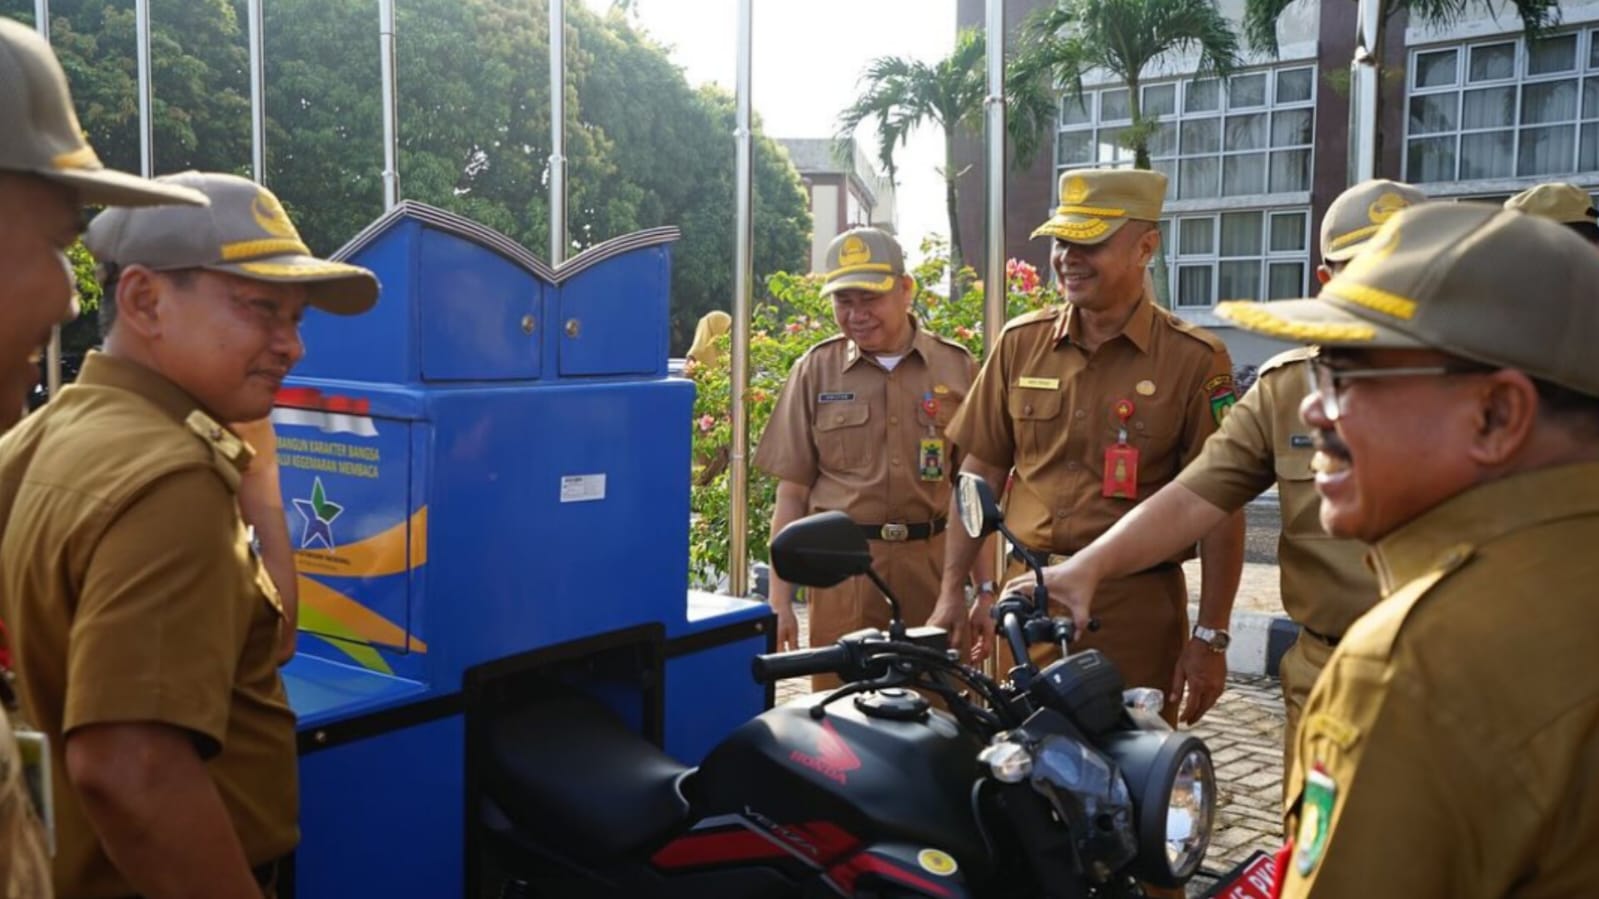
(643, 148)
(900, 94)
(1061, 43)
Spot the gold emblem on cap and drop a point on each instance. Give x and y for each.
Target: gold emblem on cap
(1076, 190)
(854, 252)
(1385, 207)
(1145, 388)
(269, 214)
(1381, 246)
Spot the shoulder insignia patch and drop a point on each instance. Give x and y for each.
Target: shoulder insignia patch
(1197, 332)
(1047, 314)
(223, 441)
(1297, 354)
(1219, 390)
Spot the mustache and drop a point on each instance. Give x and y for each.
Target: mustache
(1328, 441)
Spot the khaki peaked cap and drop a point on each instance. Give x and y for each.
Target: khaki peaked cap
(1470, 279)
(1356, 214)
(1096, 203)
(867, 259)
(40, 135)
(244, 231)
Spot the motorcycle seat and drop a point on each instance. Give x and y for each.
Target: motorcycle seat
(567, 773)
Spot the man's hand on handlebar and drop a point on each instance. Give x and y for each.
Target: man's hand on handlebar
(950, 614)
(1071, 586)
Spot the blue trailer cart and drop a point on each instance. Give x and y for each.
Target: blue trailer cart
(487, 482)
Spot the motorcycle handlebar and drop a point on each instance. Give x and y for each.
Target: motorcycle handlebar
(772, 666)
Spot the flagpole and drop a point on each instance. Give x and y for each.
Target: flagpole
(743, 276)
(558, 241)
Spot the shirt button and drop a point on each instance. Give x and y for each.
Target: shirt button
(838, 419)
(1072, 466)
(893, 420)
(895, 460)
(1027, 410)
(1079, 413)
(1138, 426)
(1060, 513)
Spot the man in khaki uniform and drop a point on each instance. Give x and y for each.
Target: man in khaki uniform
(1448, 748)
(860, 429)
(1096, 405)
(47, 173)
(146, 628)
(1325, 584)
(1567, 204)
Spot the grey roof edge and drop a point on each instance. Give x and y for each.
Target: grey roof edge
(491, 239)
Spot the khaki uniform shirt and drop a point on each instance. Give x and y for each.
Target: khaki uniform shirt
(24, 862)
(854, 432)
(1325, 582)
(1449, 748)
(1046, 406)
(133, 594)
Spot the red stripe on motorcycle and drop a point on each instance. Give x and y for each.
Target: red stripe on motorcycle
(866, 863)
(716, 848)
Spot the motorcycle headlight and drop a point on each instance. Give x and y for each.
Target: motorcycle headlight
(1174, 797)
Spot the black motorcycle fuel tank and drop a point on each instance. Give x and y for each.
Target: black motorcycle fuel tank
(875, 778)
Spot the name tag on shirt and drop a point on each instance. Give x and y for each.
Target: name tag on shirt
(1039, 383)
(1299, 441)
(835, 398)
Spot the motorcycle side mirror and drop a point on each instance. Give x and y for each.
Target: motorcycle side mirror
(974, 501)
(821, 550)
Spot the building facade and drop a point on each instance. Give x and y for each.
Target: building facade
(1471, 111)
(841, 196)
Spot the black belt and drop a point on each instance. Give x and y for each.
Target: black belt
(1046, 559)
(1318, 636)
(899, 532)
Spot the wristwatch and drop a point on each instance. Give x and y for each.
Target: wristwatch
(1217, 640)
(986, 587)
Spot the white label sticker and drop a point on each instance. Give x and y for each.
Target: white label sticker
(582, 488)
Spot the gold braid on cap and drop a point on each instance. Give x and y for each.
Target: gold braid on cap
(1256, 318)
(1074, 231)
(1376, 300)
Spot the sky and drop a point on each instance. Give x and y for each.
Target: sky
(808, 56)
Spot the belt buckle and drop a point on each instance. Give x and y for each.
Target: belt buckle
(895, 532)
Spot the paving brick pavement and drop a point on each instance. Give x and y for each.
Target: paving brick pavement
(1244, 733)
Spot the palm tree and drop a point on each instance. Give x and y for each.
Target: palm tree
(1061, 44)
(902, 94)
(1260, 24)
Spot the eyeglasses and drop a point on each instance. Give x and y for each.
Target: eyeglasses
(1327, 381)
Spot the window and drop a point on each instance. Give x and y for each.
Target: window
(1504, 109)
(1245, 255)
(1248, 135)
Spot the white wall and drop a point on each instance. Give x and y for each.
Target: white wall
(824, 213)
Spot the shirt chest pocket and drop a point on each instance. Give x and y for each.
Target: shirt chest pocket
(843, 440)
(1296, 486)
(1037, 415)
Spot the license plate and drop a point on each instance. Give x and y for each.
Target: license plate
(1250, 880)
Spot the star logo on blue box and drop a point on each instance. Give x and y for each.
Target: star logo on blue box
(319, 515)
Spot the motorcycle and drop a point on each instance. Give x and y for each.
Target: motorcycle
(1052, 783)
